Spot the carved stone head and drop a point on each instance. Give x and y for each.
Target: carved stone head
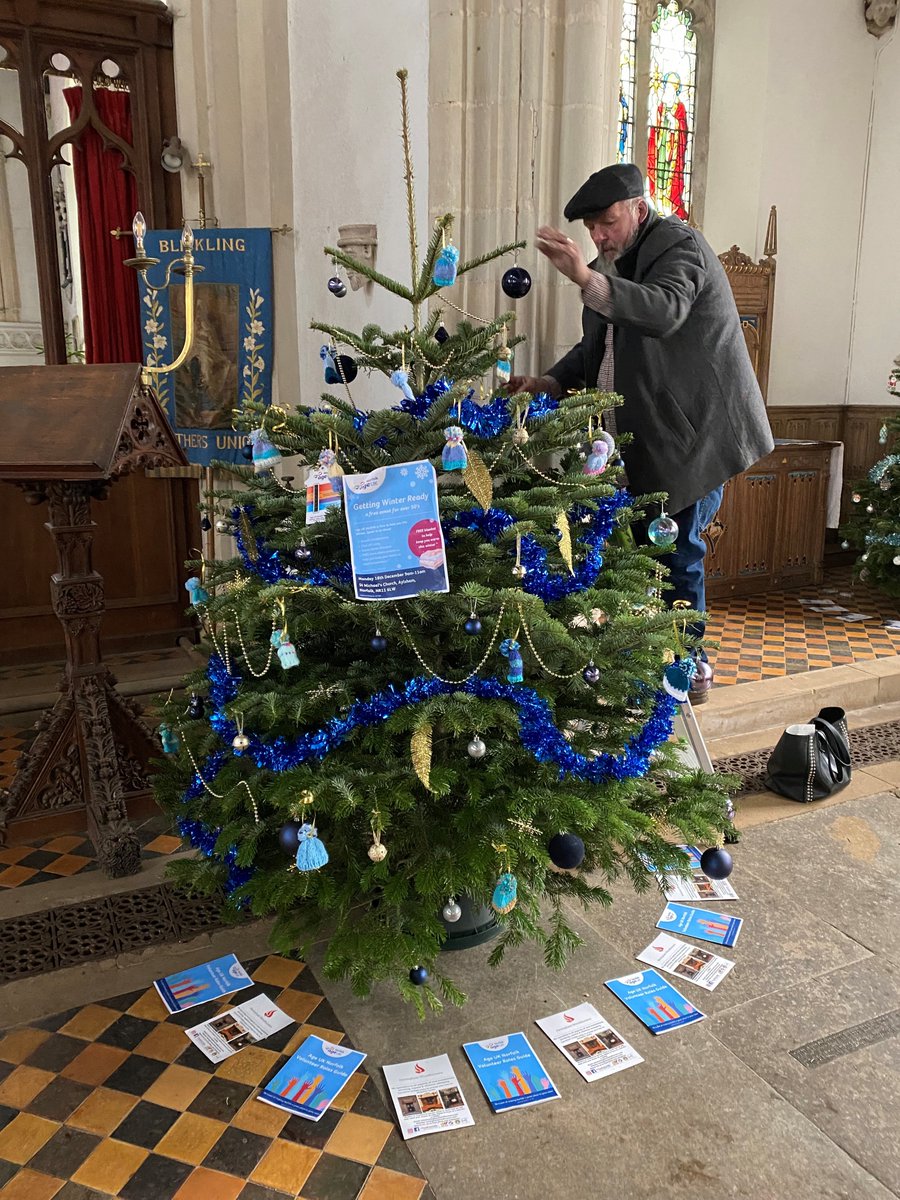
(880, 16)
(361, 243)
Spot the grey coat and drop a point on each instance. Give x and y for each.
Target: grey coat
(692, 402)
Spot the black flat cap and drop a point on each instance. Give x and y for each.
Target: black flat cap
(621, 181)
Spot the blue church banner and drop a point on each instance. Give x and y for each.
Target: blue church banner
(230, 360)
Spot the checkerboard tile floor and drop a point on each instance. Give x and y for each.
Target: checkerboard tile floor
(113, 1100)
(61, 857)
(762, 637)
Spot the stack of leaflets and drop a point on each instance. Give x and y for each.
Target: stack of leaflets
(311, 1078)
(510, 1072)
(702, 967)
(427, 1096)
(589, 1042)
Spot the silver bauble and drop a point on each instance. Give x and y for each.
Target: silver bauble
(451, 912)
(476, 748)
(520, 436)
(378, 852)
(519, 572)
(240, 741)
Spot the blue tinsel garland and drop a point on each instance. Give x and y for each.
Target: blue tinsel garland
(490, 523)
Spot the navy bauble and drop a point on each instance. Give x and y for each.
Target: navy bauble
(206, 524)
(473, 625)
(716, 863)
(591, 673)
(418, 976)
(441, 334)
(346, 367)
(566, 850)
(516, 283)
(196, 708)
(247, 451)
(378, 642)
(289, 837)
(336, 286)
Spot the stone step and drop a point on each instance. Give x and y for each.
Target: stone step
(749, 708)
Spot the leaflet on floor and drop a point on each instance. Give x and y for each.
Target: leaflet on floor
(702, 967)
(655, 1002)
(699, 886)
(700, 923)
(427, 1096)
(510, 1072)
(241, 1026)
(311, 1078)
(209, 981)
(589, 1042)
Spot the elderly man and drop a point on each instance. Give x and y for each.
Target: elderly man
(660, 327)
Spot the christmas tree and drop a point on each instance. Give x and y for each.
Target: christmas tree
(874, 522)
(358, 767)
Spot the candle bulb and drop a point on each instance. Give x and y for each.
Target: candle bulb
(187, 238)
(139, 228)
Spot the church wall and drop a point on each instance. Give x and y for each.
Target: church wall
(790, 109)
(297, 105)
(876, 330)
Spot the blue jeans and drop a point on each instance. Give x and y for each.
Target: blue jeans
(685, 561)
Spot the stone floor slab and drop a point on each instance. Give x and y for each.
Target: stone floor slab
(851, 1097)
(692, 1122)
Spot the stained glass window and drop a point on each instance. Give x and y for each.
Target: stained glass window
(627, 71)
(670, 117)
(658, 67)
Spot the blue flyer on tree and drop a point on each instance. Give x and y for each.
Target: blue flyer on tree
(311, 1078)
(701, 923)
(655, 1002)
(209, 981)
(396, 540)
(510, 1072)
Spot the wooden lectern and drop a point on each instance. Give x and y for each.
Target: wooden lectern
(68, 433)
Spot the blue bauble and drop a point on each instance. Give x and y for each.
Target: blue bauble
(247, 451)
(716, 863)
(196, 708)
(346, 368)
(288, 836)
(378, 642)
(566, 850)
(516, 283)
(473, 625)
(591, 673)
(441, 334)
(206, 524)
(418, 976)
(336, 286)
(663, 531)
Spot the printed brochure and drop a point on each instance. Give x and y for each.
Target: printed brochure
(427, 1096)
(209, 981)
(311, 1078)
(700, 923)
(396, 540)
(655, 1002)
(589, 1042)
(510, 1072)
(698, 966)
(241, 1026)
(699, 886)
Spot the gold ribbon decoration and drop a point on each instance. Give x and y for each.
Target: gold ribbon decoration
(420, 752)
(477, 479)
(565, 539)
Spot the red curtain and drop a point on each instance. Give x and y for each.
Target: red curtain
(107, 199)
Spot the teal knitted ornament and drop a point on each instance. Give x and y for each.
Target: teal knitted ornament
(505, 893)
(311, 853)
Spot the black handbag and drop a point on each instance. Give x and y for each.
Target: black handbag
(811, 761)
